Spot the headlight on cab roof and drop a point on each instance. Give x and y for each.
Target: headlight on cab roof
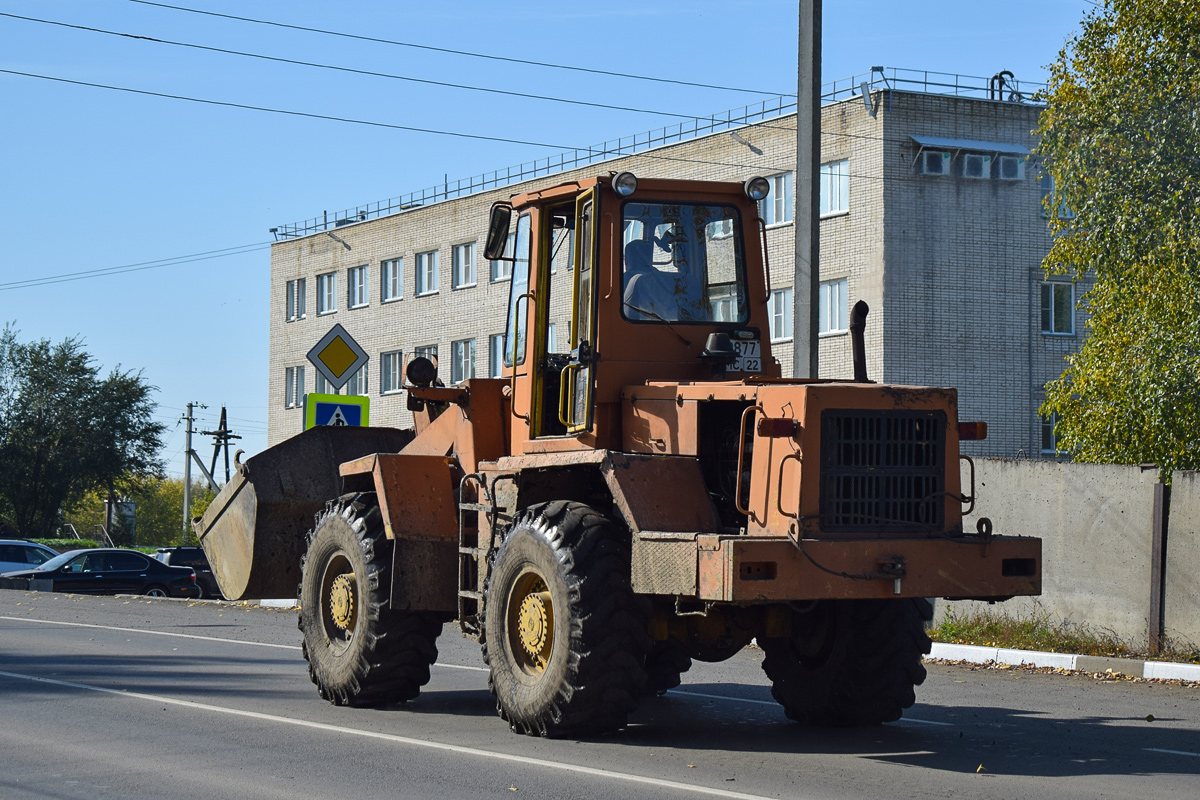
(757, 188)
(624, 183)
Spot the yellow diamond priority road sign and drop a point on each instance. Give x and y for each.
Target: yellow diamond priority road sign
(337, 356)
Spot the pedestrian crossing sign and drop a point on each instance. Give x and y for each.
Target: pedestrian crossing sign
(336, 410)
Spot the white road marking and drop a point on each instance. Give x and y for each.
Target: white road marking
(1171, 752)
(724, 697)
(152, 633)
(405, 740)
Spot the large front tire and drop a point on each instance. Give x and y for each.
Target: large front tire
(850, 662)
(565, 638)
(359, 651)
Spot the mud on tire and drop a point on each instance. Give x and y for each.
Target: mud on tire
(564, 636)
(359, 651)
(850, 662)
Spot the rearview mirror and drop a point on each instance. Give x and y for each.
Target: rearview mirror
(497, 236)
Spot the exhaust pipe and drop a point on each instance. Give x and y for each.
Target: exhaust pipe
(858, 324)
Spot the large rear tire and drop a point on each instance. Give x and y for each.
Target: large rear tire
(850, 662)
(564, 636)
(359, 651)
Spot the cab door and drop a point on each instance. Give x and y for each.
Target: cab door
(576, 407)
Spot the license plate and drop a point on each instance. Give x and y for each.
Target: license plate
(749, 356)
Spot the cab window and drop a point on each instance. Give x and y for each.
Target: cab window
(683, 263)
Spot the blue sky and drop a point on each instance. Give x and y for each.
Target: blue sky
(95, 179)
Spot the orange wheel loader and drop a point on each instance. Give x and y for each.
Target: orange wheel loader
(649, 493)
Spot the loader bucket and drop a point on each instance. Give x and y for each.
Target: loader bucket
(255, 530)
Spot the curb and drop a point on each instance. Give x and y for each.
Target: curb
(1163, 670)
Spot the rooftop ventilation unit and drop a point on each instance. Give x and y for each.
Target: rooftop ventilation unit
(933, 162)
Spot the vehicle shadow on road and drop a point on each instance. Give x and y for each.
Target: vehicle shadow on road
(970, 739)
(949, 738)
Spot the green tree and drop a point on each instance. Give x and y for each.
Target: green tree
(65, 430)
(158, 512)
(1121, 138)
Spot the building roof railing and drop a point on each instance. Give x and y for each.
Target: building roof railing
(1001, 87)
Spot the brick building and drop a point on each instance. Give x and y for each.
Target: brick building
(931, 213)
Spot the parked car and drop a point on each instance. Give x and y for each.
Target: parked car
(192, 557)
(113, 571)
(20, 554)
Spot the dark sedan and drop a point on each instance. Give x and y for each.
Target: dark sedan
(112, 571)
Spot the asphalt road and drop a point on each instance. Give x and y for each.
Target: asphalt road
(131, 698)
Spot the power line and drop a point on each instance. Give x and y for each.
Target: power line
(138, 267)
(352, 70)
(351, 121)
(372, 123)
(467, 53)
(287, 112)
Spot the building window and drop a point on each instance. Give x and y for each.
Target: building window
(776, 207)
(358, 382)
(835, 187)
(781, 314)
(462, 366)
(496, 355)
(356, 277)
(391, 376)
(1049, 439)
(551, 339)
(391, 285)
(427, 272)
(832, 307)
(327, 293)
(295, 300)
(1047, 193)
(502, 270)
(463, 257)
(323, 386)
(293, 387)
(426, 351)
(1058, 308)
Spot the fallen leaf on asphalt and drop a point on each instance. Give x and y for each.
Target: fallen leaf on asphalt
(512, 788)
(1149, 718)
(691, 766)
(981, 769)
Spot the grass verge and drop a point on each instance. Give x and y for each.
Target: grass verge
(1039, 632)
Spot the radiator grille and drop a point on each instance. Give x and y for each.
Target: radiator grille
(882, 470)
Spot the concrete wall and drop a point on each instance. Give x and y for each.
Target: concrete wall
(1095, 525)
(1182, 606)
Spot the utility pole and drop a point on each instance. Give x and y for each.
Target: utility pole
(187, 468)
(807, 281)
(222, 436)
(189, 454)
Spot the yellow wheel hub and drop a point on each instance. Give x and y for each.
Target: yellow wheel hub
(531, 617)
(341, 601)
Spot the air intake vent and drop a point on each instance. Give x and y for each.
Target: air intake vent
(883, 471)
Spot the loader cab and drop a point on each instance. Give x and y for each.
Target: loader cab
(653, 280)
